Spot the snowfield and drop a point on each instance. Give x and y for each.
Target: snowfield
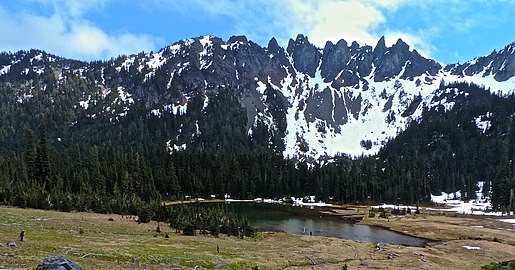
(480, 206)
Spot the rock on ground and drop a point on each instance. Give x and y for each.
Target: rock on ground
(57, 263)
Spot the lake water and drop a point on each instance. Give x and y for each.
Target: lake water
(297, 220)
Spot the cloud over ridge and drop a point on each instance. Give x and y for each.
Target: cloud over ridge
(65, 32)
(448, 31)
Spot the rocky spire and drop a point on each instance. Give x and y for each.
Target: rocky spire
(379, 49)
(305, 55)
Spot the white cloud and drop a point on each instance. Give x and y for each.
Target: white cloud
(353, 20)
(259, 20)
(334, 20)
(73, 8)
(64, 30)
(321, 21)
(65, 33)
(419, 42)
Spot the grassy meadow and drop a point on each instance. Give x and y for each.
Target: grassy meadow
(97, 241)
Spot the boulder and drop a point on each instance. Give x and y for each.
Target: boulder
(57, 263)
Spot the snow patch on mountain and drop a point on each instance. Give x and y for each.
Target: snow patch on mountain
(36, 58)
(352, 100)
(124, 97)
(175, 148)
(382, 115)
(156, 61)
(487, 81)
(387, 108)
(5, 70)
(206, 55)
(176, 109)
(156, 112)
(24, 97)
(483, 123)
(127, 64)
(85, 103)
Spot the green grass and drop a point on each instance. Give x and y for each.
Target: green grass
(95, 242)
(110, 242)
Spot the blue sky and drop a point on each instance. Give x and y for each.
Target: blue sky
(447, 31)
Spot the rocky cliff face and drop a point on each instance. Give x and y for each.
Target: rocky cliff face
(323, 102)
(500, 65)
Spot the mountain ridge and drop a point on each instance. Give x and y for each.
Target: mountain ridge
(321, 102)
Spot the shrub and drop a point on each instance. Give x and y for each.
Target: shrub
(249, 231)
(144, 215)
(499, 266)
(189, 230)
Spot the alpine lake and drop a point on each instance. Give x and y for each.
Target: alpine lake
(305, 221)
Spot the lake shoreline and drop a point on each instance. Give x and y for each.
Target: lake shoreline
(395, 223)
(311, 221)
(110, 241)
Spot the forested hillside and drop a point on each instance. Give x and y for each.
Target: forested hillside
(117, 167)
(114, 136)
(449, 151)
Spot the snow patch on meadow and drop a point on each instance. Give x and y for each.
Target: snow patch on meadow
(512, 221)
(481, 205)
(308, 201)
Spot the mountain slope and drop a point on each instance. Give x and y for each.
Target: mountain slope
(316, 103)
(452, 150)
(207, 117)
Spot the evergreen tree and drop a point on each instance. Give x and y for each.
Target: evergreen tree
(43, 164)
(502, 190)
(31, 156)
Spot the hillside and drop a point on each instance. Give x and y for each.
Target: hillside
(208, 117)
(315, 103)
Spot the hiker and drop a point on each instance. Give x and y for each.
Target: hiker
(22, 234)
(217, 249)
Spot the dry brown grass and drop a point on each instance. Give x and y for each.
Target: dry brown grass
(438, 227)
(113, 244)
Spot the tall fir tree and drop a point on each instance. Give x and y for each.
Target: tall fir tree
(43, 164)
(31, 156)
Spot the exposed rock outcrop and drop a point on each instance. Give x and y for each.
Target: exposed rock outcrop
(306, 57)
(57, 263)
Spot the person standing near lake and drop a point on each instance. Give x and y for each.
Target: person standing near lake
(22, 235)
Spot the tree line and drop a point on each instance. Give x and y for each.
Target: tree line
(124, 167)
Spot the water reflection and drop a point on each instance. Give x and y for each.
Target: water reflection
(294, 220)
